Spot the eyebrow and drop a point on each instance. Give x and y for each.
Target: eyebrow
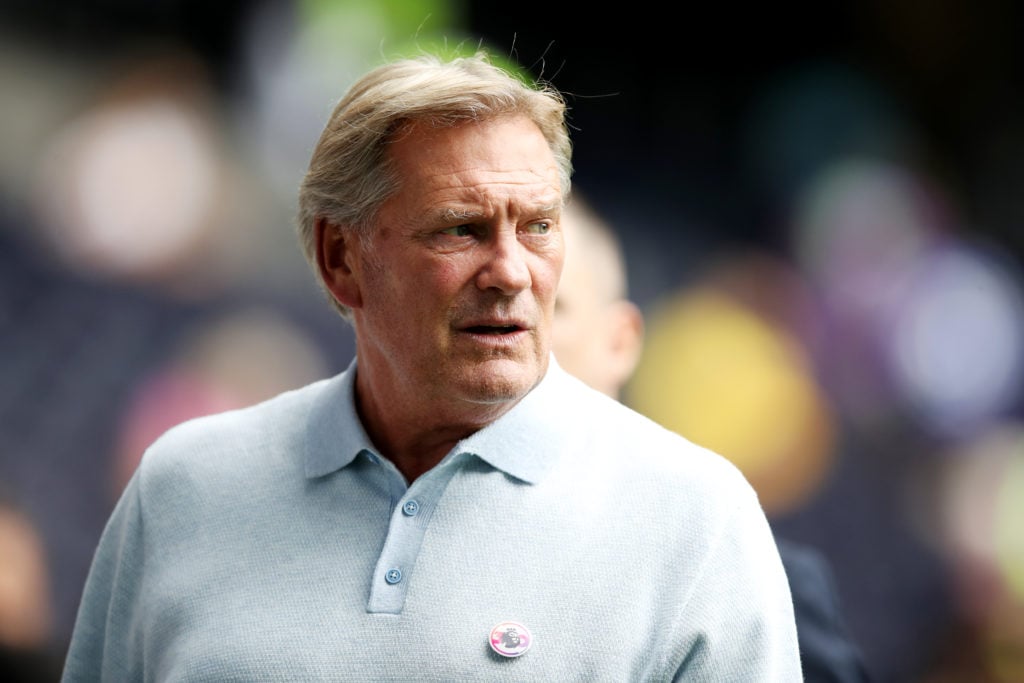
(450, 214)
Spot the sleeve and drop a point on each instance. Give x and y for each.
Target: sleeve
(106, 639)
(741, 605)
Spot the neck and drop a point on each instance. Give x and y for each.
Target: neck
(414, 436)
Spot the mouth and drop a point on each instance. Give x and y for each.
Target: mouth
(493, 329)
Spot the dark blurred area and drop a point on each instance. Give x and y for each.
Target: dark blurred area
(822, 206)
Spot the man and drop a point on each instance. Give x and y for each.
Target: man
(597, 335)
(598, 331)
(454, 486)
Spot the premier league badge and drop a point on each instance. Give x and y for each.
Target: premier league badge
(510, 639)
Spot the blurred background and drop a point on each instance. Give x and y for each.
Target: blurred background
(822, 206)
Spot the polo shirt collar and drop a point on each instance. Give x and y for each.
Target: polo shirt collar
(525, 442)
(334, 434)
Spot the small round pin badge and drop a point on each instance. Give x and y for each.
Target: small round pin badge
(510, 639)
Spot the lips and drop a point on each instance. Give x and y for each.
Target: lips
(492, 325)
(495, 336)
(492, 329)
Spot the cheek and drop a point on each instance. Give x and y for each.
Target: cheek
(424, 285)
(546, 275)
(448, 276)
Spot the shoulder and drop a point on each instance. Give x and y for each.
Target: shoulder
(621, 433)
(236, 443)
(610, 440)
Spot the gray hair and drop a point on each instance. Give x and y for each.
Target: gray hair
(350, 175)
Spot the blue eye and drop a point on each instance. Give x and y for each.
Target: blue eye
(539, 228)
(458, 230)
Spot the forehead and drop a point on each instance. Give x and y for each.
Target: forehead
(501, 157)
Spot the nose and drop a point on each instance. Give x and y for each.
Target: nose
(505, 267)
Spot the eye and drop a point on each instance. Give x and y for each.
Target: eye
(539, 228)
(458, 230)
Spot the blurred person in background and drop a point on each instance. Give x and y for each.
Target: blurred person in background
(598, 335)
(453, 505)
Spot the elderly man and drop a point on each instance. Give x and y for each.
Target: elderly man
(453, 506)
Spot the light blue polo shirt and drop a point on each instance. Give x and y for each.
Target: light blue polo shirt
(275, 543)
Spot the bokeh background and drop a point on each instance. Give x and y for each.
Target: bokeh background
(822, 206)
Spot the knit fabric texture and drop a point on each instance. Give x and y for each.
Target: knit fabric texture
(275, 543)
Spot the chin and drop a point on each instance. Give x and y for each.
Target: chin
(500, 385)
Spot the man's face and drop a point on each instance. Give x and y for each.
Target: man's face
(458, 280)
(597, 333)
(581, 328)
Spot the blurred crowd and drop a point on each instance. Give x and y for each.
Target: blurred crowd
(865, 368)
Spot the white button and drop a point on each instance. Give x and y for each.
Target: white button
(510, 639)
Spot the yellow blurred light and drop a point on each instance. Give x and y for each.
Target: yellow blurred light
(1009, 526)
(1003, 637)
(727, 379)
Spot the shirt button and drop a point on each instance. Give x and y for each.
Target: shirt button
(393, 576)
(410, 508)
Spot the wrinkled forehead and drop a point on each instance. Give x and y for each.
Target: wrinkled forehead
(507, 155)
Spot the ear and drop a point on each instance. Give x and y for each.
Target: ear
(626, 339)
(336, 254)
